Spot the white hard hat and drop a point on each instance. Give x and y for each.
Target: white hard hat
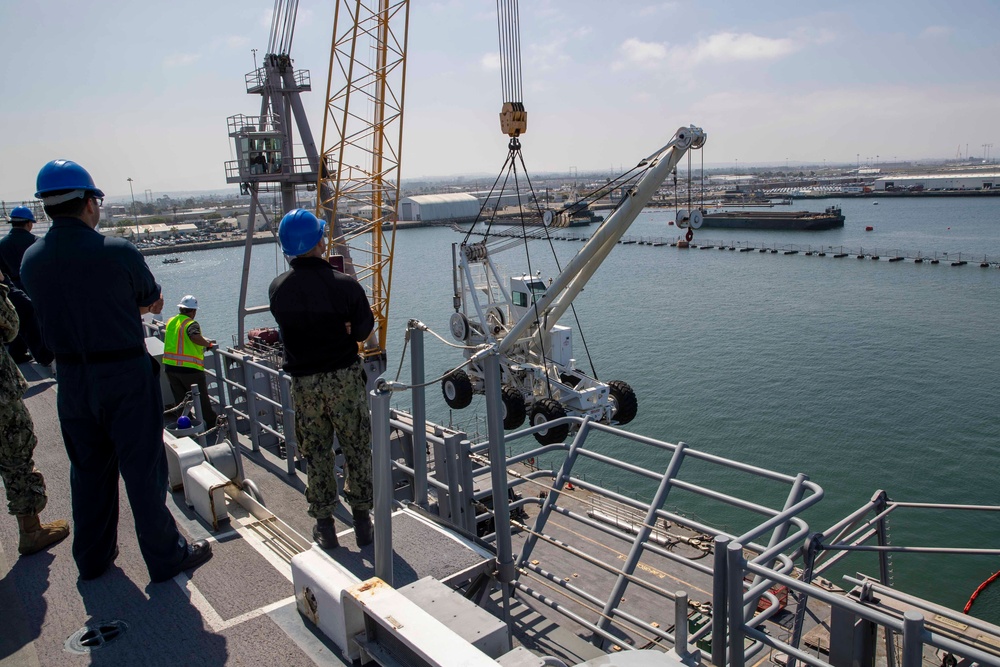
(189, 302)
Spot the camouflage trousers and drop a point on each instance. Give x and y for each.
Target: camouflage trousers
(328, 403)
(25, 485)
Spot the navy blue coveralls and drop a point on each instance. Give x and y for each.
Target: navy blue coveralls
(12, 249)
(87, 291)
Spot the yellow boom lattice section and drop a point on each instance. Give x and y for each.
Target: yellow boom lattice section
(362, 146)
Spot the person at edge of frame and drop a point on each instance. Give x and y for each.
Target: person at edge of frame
(26, 497)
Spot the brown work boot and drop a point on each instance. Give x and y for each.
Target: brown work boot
(36, 535)
(325, 533)
(364, 532)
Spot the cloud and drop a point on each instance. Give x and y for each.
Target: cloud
(722, 47)
(937, 31)
(490, 62)
(181, 59)
(552, 53)
(637, 54)
(730, 46)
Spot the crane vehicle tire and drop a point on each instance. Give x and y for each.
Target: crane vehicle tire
(626, 404)
(457, 389)
(514, 410)
(547, 410)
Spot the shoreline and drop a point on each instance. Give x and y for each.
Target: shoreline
(258, 239)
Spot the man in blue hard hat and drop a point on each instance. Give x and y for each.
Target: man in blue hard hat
(17, 240)
(90, 293)
(12, 248)
(323, 315)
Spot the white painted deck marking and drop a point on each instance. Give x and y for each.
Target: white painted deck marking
(211, 617)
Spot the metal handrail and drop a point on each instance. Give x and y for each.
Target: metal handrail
(733, 598)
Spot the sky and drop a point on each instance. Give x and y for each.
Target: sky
(142, 90)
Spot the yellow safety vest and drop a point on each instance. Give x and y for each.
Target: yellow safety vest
(178, 349)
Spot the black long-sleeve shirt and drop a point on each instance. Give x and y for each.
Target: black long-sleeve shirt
(312, 305)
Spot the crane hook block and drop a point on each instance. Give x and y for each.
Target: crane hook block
(513, 119)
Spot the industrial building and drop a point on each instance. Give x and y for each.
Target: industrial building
(941, 181)
(435, 208)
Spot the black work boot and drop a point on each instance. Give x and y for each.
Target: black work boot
(325, 533)
(363, 529)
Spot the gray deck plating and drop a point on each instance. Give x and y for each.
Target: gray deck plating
(235, 610)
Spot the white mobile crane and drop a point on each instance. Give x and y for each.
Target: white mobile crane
(538, 373)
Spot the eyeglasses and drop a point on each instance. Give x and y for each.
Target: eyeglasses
(99, 200)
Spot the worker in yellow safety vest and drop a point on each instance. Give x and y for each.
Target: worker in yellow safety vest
(184, 356)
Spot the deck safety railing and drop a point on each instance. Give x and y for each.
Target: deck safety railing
(471, 462)
(255, 397)
(745, 571)
(438, 469)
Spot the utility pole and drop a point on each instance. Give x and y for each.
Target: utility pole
(134, 217)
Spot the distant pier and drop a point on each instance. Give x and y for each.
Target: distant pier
(260, 237)
(837, 252)
(858, 252)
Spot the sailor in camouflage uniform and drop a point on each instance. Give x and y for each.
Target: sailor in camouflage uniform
(24, 483)
(323, 315)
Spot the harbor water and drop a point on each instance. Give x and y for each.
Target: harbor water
(865, 375)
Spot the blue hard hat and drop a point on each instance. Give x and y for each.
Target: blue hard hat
(61, 175)
(22, 212)
(299, 232)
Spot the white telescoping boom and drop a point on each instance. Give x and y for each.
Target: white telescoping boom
(538, 375)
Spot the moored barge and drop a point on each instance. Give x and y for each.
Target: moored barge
(809, 221)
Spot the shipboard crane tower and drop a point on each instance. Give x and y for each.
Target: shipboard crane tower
(265, 160)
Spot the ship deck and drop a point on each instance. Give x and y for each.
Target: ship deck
(239, 608)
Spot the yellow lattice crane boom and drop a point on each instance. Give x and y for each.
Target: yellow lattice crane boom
(358, 188)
